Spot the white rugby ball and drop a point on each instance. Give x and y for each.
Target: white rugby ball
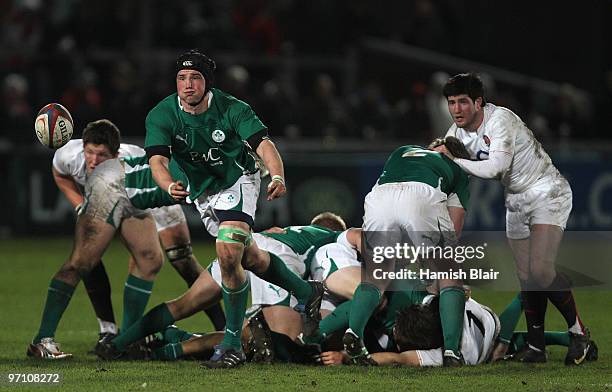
(54, 125)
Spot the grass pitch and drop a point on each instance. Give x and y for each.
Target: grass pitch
(27, 265)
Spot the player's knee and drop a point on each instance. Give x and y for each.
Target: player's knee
(543, 276)
(229, 254)
(150, 262)
(68, 273)
(254, 259)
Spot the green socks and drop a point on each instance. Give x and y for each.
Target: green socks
(135, 297)
(336, 320)
(58, 298)
(169, 352)
(509, 318)
(278, 274)
(553, 338)
(452, 307)
(155, 320)
(235, 303)
(365, 300)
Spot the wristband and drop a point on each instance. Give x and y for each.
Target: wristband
(278, 178)
(172, 184)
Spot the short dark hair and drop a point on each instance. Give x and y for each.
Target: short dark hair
(103, 132)
(198, 61)
(465, 83)
(453, 145)
(418, 327)
(329, 220)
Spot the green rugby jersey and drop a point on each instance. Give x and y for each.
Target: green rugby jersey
(210, 147)
(415, 163)
(305, 240)
(141, 187)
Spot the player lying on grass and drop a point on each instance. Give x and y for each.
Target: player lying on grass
(293, 246)
(70, 166)
(414, 335)
(273, 327)
(419, 198)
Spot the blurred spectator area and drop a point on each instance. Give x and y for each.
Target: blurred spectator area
(322, 70)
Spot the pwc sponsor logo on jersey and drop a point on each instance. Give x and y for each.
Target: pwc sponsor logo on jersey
(212, 156)
(483, 153)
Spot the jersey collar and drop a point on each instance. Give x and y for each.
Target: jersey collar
(209, 96)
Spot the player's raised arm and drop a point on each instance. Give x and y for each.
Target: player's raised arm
(269, 154)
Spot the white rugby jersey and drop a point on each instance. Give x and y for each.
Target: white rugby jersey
(69, 160)
(502, 130)
(480, 329)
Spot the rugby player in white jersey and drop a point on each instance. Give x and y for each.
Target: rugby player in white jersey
(538, 202)
(70, 172)
(106, 208)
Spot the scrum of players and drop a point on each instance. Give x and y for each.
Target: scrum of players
(312, 302)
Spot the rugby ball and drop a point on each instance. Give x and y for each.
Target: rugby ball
(54, 125)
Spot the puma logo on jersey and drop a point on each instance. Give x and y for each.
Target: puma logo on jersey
(276, 290)
(233, 333)
(179, 137)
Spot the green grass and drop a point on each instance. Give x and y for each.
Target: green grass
(27, 265)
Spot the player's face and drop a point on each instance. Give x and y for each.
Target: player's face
(190, 86)
(466, 113)
(95, 154)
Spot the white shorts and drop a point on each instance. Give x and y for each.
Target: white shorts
(263, 292)
(331, 258)
(168, 216)
(548, 201)
(242, 197)
(414, 208)
(105, 195)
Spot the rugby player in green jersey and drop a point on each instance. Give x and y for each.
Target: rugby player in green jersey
(217, 140)
(420, 198)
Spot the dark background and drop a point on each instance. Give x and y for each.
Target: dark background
(339, 83)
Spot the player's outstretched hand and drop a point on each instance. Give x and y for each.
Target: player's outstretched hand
(177, 191)
(276, 188)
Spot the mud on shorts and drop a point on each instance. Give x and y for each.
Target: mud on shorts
(547, 201)
(168, 216)
(105, 195)
(236, 203)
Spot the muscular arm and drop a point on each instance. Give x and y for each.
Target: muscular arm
(269, 154)
(494, 167)
(407, 358)
(69, 187)
(163, 178)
